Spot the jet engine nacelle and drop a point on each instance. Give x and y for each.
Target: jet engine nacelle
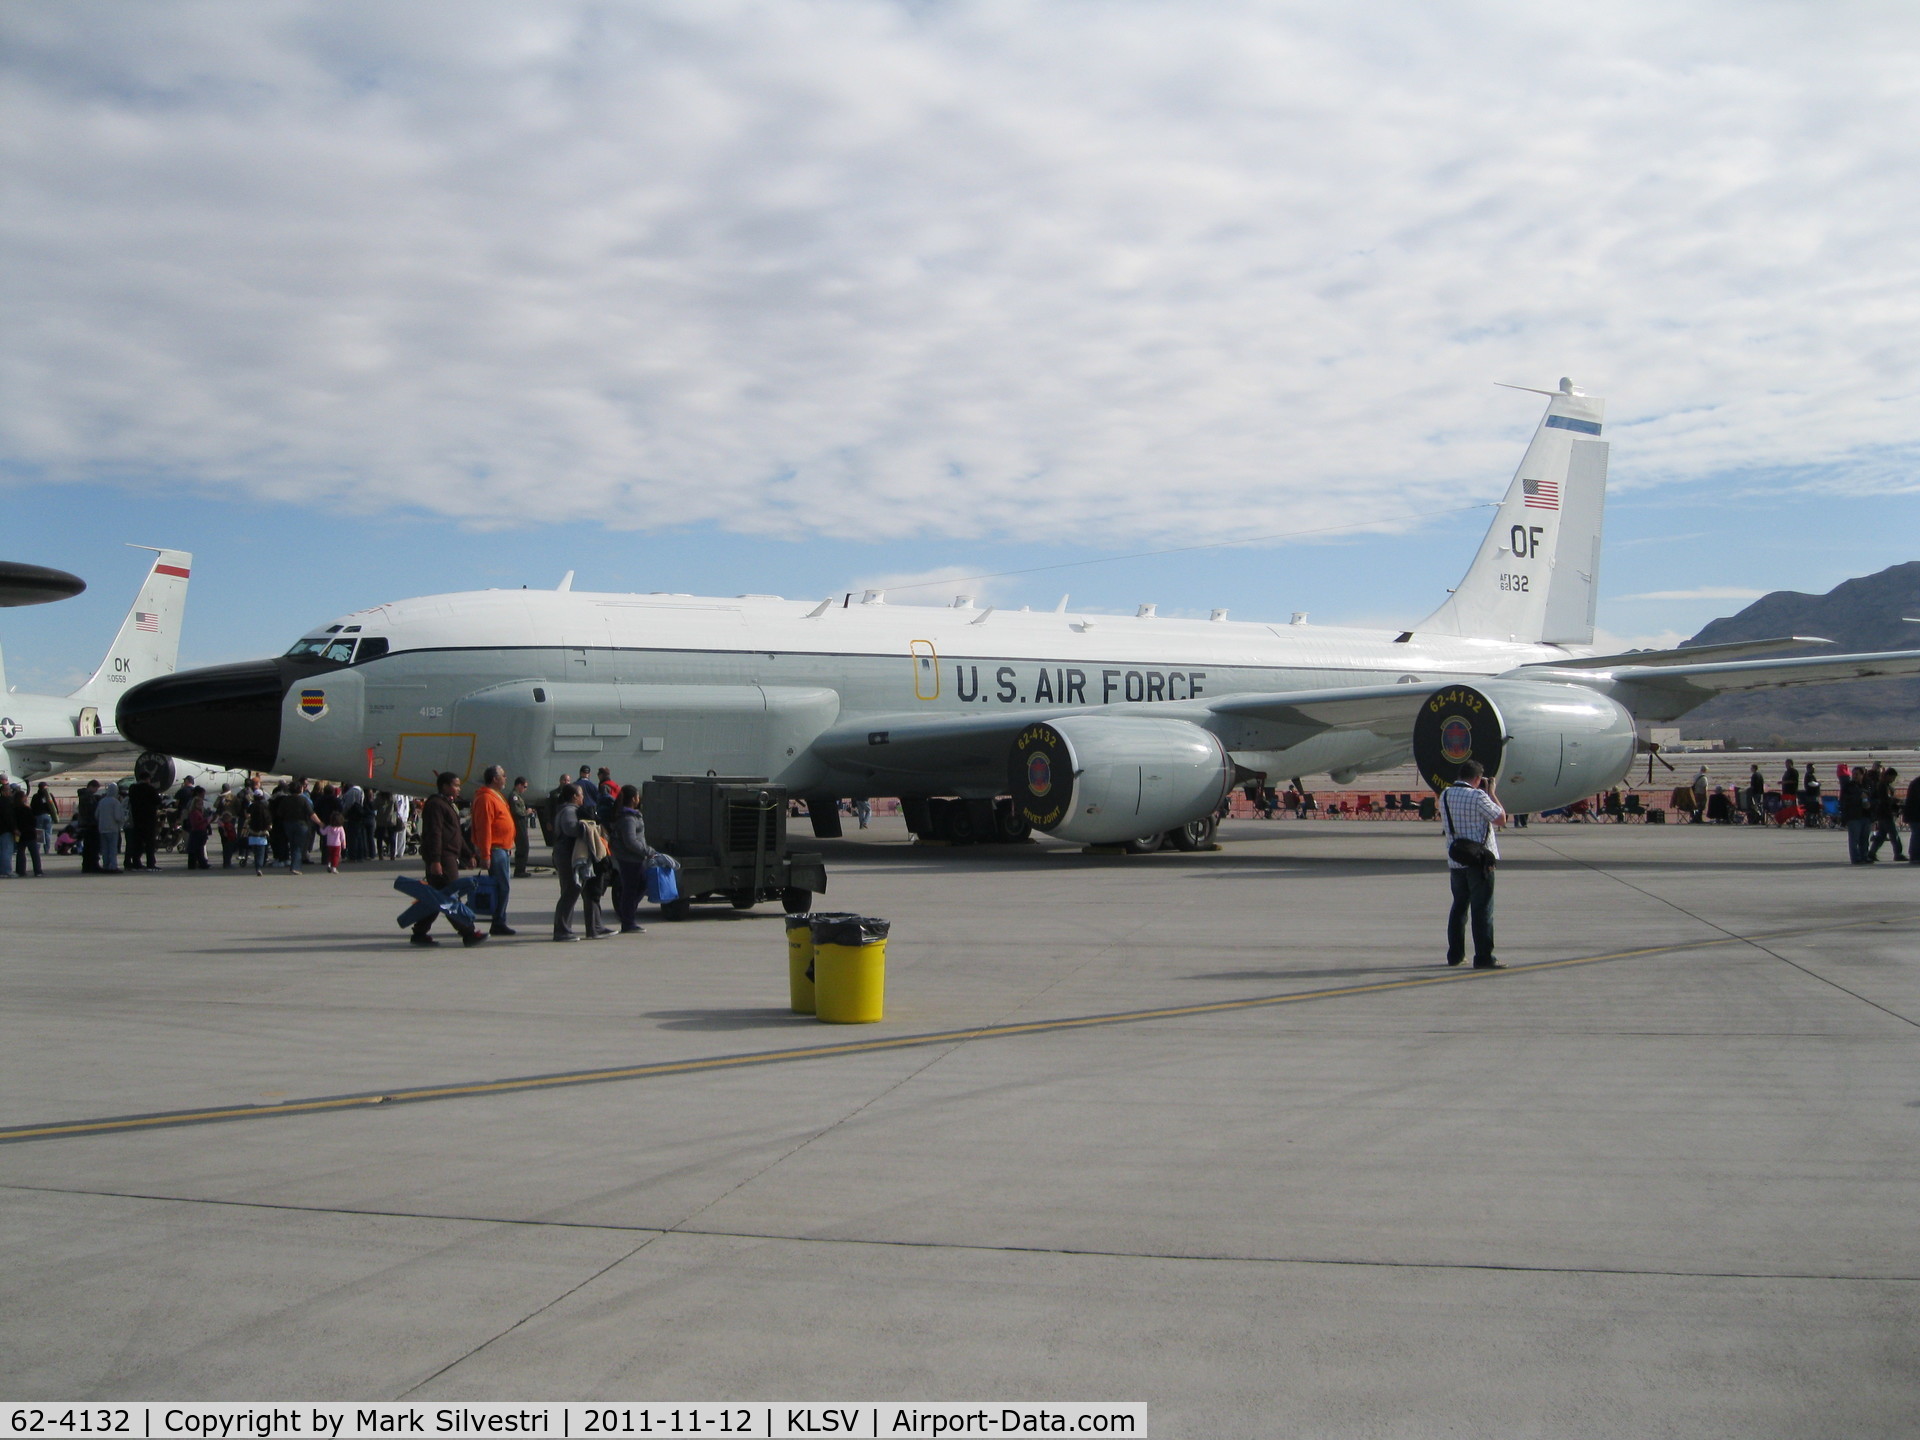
(1547, 745)
(1103, 779)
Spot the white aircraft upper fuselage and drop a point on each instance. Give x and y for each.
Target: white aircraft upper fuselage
(806, 670)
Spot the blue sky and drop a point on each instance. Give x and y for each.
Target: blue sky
(358, 301)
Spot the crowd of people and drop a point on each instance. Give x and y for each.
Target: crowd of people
(600, 851)
(599, 838)
(1872, 806)
(27, 824)
(1869, 802)
(116, 828)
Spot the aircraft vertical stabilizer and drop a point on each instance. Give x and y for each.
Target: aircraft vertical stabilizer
(1536, 578)
(148, 644)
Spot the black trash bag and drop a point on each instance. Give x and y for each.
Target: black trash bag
(849, 929)
(807, 922)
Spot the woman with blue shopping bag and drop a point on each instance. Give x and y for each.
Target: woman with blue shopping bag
(642, 869)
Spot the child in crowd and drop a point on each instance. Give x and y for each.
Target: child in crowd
(333, 836)
(259, 827)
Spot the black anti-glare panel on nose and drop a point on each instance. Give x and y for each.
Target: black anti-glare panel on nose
(221, 715)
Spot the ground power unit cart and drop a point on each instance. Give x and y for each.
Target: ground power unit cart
(729, 833)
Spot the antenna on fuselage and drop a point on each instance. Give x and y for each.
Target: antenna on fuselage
(566, 582)
(1061, 608)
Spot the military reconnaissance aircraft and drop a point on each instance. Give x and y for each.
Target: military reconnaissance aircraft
(44, 734)
(989, 723)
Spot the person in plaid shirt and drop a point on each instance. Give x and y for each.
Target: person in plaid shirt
(1469, 812)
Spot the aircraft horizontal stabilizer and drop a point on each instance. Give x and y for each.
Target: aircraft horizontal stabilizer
(1767, 674)
(39, 755)
(1686, 655)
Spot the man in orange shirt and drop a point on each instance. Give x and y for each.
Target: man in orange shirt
(493, 835)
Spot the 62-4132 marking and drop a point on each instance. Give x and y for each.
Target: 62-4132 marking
(73, 1422)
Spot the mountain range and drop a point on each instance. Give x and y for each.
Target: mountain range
(1864, 614)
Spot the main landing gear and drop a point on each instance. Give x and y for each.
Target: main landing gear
(965, 822)
(1194, 835)
(993, 822)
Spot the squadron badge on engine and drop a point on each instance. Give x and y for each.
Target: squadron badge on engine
(1456, 724)
(1039, 774)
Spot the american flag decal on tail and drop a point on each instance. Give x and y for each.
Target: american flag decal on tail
(1541, 494)
(146, 620)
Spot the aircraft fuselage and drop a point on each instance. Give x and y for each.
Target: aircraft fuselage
(544, 681)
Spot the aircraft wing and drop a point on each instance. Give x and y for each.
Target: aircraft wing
(937, 747)
(44, 754)
(1385, 710)
(962, 747)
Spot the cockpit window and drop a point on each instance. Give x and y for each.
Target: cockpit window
(325, 648)
(372, 647)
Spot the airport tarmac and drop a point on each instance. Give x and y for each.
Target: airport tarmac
(1659, 1178)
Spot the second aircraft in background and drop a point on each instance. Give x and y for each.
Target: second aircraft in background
(44, 734)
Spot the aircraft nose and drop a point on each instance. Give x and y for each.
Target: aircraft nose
(221, 715)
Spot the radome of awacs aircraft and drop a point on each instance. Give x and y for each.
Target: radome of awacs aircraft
(991, 723)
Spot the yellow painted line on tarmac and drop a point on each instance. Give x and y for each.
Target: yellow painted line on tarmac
(120, 1124)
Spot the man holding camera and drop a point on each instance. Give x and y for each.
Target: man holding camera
(1469, 815)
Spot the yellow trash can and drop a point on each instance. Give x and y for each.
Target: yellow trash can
(800, 957)
(850, 969)
(800, 963)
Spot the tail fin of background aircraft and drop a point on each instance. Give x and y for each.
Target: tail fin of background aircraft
(1537, 576)
(149, 640)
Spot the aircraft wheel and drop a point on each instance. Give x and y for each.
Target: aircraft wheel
(1195, 834)
(1008, 827)
(959, 824)
(678, 909)
(743, 899)
(796, 901)
(1145, 845)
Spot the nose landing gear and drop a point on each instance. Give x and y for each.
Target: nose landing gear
(154, 768)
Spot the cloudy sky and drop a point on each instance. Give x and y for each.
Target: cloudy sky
(364, 300)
